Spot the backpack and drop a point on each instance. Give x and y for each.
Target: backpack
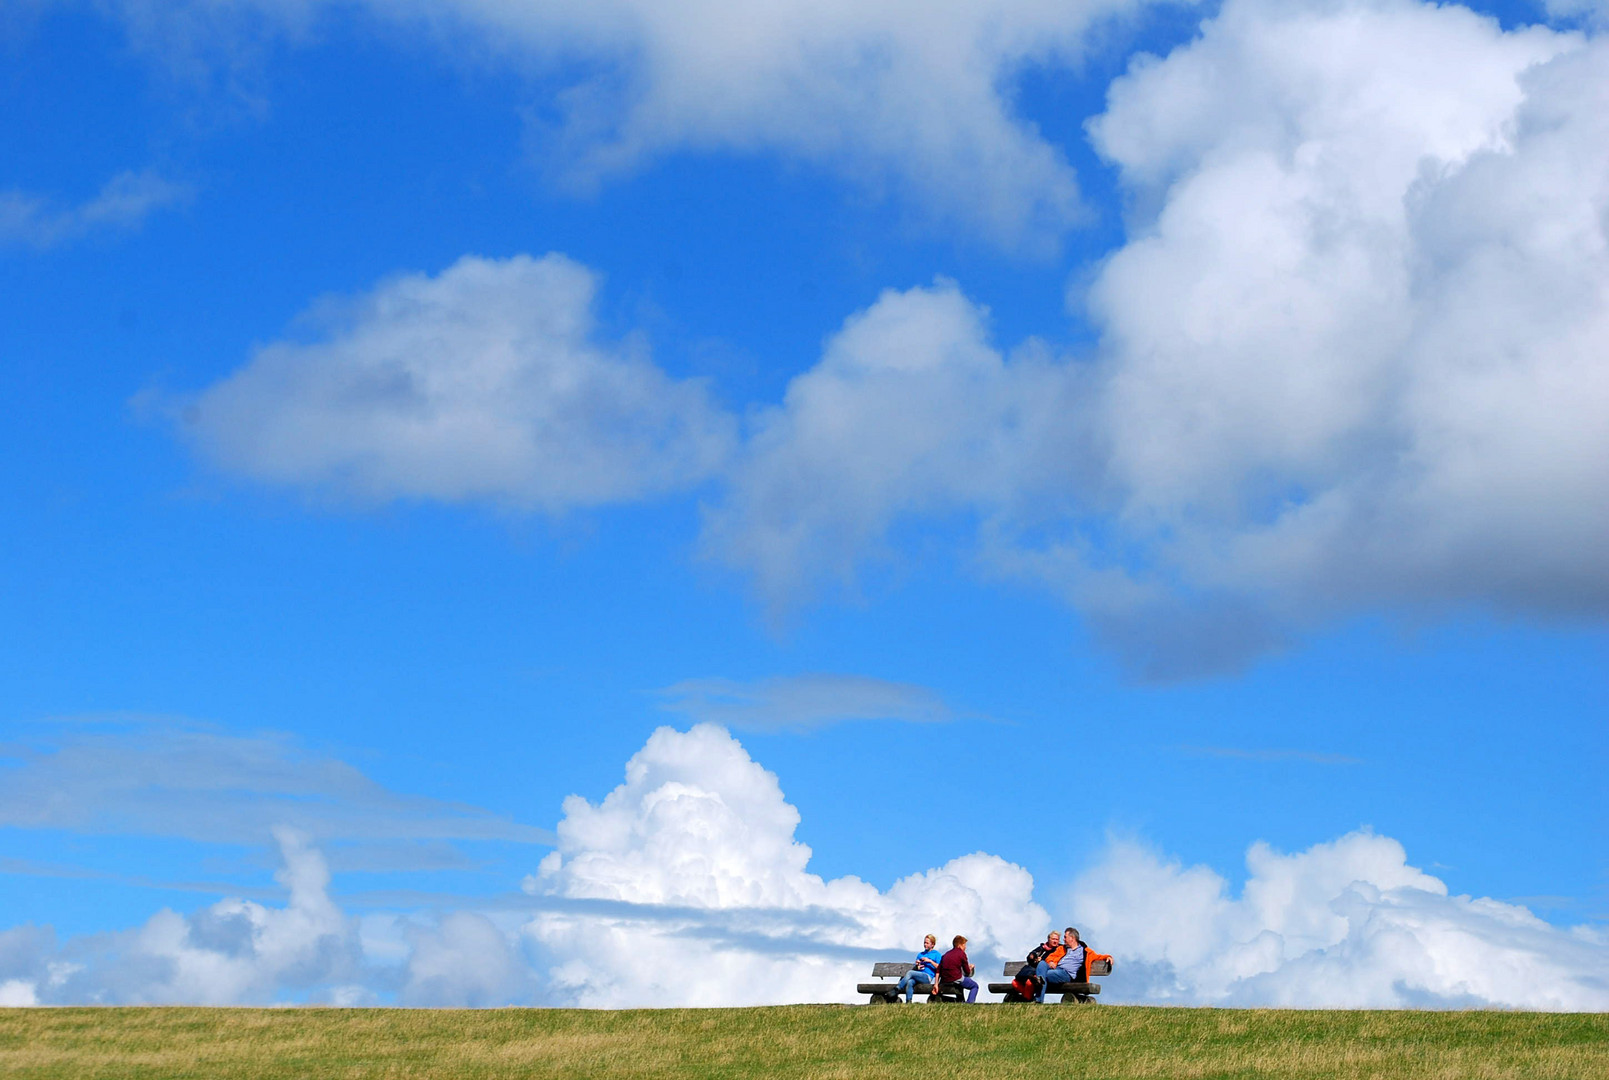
(1025, 987)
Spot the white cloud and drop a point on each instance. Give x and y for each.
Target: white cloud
(465, 959)
(232, 952)
(700, 829)
(239, 950)
(24, 952)
(685, 886)
(486, 381)
(125, 201)
(196, 783)
(17, 994)
(892, 94)
(1597, 10)
(911, 411)
(803, 702)
(911, 96)
(1351, 355)
(1356, 356)
(1343, 924)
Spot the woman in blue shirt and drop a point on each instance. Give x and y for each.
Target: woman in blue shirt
(926, 969)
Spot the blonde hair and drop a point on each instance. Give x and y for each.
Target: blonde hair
(930, 937)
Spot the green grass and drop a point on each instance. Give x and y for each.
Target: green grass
(917, 1042)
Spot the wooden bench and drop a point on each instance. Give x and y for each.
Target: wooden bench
(1082, 993)
(886, 993)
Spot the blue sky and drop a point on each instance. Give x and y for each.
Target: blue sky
(410, 416)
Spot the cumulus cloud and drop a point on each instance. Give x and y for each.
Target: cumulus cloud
(197, 783)
(240, 952)
(125, 201)
(803, 702)
(685, 885)
(1356, 356)
(910, 411)
(911, 96)
(1344, 924)
(465, 959)
(232, 952)
(486, 381)
(1596, 10)
(24, 964)
(1351, 356)
(700, 825)
(17, 994)
(892, 94)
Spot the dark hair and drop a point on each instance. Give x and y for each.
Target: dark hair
(1073, 934)
(959, 941)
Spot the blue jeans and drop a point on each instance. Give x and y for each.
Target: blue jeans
(1048, 975)
(908, 981)
(970, 987)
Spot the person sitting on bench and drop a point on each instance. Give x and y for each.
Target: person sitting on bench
(956, 971)
(1071, 941)
(926, 969)
(1064, 969)
(1028, 980)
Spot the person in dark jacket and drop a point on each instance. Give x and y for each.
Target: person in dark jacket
(1028, 983)
(1051, 950)
(956, 970)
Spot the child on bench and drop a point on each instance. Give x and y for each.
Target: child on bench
(955, 971)
(925, 970)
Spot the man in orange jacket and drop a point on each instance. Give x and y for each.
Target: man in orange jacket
(1064, 969)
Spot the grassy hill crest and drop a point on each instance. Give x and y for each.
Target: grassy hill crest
(982, 1043)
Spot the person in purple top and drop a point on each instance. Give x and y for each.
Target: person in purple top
(954, 968)
(1065, 969)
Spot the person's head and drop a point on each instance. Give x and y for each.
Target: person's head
(1071, 937)
(959, 942)
(929, 941)
(1053, 938)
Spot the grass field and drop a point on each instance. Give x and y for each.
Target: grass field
(917, 1042)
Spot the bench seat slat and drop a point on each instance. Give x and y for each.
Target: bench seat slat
(886, 988)
(1059, 988)
(1099, 967)
(890, 971)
